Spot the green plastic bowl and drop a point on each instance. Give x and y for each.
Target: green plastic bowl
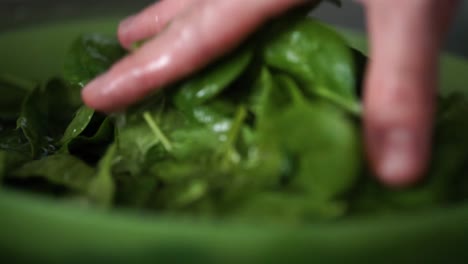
(38, 229)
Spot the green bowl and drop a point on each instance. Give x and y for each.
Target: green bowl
(37, 229)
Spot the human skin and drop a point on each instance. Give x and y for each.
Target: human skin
(401, 80)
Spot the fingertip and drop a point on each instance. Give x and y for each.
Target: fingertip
(123, 32)
(89, 95)
(402, 159)
(93, 97)
(400, 171)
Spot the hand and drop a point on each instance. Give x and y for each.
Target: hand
(400, 83)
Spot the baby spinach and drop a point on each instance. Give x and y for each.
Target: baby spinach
(101, 187)
(134, 138)
(325, 147)
(90, 147)
(270, 131)
(60, 169)
(209, 83)
(316, 56)
(45, 113)
(78, 124)
(32, 121)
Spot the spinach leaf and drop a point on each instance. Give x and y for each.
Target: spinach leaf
(271, 99)
(212, 80)
(316, 56)
(32, 121)
(91, 148)
(60, 106)
(134, 139)
(321, 139)
(101, 187)
(78, 124)
(59, 169)
(44, 115)
(217, 115)
(88, 135)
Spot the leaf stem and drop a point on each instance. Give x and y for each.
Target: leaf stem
(233, 134)
(157, 132)
(353, 108)
(236, 126)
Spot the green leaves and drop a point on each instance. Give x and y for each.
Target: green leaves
(79, 123)
(212, 81)
(44, 115)
(316, 56)
(326, 150)
(321, 143)
(57, 142)
(134, 139)
(59, 169)
(245, 130)
(101, 188)
(269, 131)
(33, 121)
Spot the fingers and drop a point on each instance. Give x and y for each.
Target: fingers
(191, 42)
(401, 85)
(150, 21)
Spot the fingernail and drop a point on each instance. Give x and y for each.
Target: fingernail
(398, 165)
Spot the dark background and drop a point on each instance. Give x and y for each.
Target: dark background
(16, 13)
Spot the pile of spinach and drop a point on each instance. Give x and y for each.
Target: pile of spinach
(270, 131)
